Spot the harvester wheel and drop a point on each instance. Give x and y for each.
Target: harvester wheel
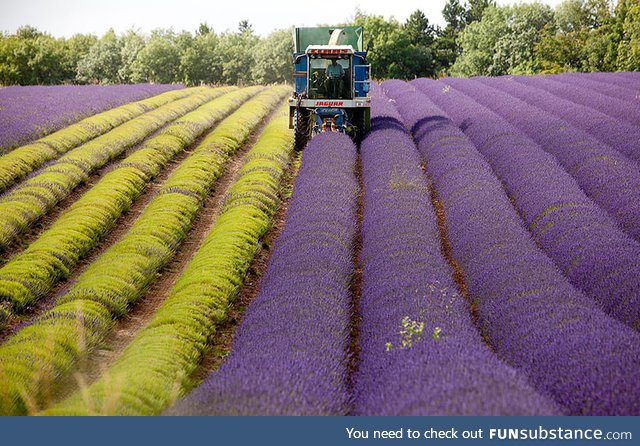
(360, 121)
(301, 128)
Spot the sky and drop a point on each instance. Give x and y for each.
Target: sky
(63, 18)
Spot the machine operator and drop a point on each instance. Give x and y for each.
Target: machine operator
(335, 74)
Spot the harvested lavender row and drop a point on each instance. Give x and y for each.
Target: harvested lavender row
(289, 356)
(31, 112)
(530, 314)
(609, 178)
(621, 135)
(438, 364)
(601, 85)
(583, 240)
(616, 108)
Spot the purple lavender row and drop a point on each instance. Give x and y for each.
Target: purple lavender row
(582, 239)
(529, 313)
(289, 356)
(621, 135)
(28, 113)
(582, 95)
(632, 76)
(606, 176)
(623, 79)
(600, 85)
(439, 365)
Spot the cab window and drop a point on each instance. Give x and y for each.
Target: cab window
(323, 83)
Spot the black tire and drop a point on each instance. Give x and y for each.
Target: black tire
(300, 128)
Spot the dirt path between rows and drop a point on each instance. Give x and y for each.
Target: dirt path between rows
(447, 252)
(356, 286)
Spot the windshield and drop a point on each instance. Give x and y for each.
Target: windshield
(329, 78)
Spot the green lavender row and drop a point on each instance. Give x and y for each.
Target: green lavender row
(25, 159)
(119, 276)
(27, 202)
(155, 368)
(51, 257)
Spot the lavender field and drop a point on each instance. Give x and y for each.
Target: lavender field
(28, 113)
(477, 254)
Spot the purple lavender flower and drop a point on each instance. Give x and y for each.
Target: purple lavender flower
(622, 79)
(582, 239)
(574, 92)
(619, 134)
(529, 313)
(601, 171)
(604, 85)
(420, 353)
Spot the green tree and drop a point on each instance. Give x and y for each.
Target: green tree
(102, 62)
(628, 50)
(236, 51)
(557, 52)
(390, 50)
(202, 62)
(131, 45)
(74, 49)
(457, 15)
(159, 60)
(585, 38)
(475, 9)
(203, 29)
(572, 16)
(422, 36)
(272, 58)
(478, 42)
(418, 29)
(31, 57)
(504, 41)
(9, 69)
(446, 48)
(245, 27)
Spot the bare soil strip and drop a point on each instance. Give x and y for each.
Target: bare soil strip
(356, 283)
(441, 217)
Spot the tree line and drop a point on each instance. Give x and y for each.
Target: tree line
(578, 35)
(239, 57)
(479, 38)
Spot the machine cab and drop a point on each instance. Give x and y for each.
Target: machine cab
(315, 63)
(331, 79)
(330, 72)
